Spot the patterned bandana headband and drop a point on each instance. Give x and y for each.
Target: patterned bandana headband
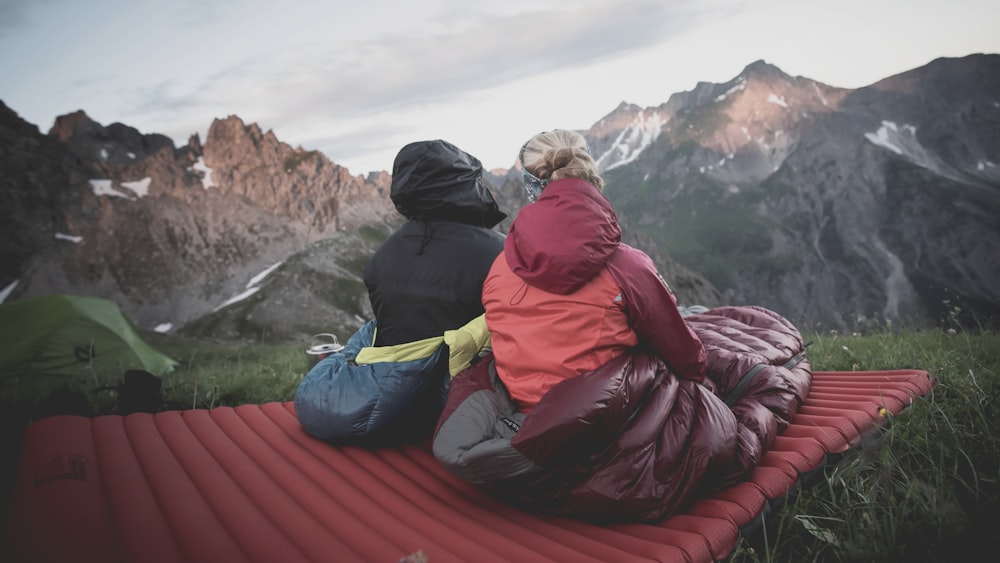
(533, 185)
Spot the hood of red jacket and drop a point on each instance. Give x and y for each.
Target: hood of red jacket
(564, 239)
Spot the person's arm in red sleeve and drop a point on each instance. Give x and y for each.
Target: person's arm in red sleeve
(652, 310)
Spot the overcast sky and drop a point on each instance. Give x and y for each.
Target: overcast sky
(360, 79)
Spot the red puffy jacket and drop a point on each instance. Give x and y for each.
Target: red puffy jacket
(566, 296)
(631, 440)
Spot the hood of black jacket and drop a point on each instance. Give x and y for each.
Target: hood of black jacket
(437, 180)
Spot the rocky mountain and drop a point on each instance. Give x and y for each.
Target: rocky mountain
(242, 237)
(168, 233)
(838, 208)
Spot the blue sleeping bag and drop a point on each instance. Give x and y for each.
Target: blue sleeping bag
(343, 402)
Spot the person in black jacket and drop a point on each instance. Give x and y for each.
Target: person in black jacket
(427, 277)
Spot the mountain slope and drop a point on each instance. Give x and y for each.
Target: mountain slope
(169, 234)
(834, 207)
(837, 208)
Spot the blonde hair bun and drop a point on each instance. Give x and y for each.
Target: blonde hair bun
(560, 153)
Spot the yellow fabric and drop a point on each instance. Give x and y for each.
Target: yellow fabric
(417, 350)
(464, 344)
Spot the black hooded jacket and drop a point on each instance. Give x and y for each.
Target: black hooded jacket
(427, 277)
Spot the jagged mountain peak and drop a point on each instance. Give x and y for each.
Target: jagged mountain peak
(620, 116)
(946, 75)
(12, 122)
(825, 204)
(759, 107)
(69, 125)
(763, 69)
(233, 127)
(116, 144)
(622, 136)
(194, 143)
(167, 233)
(818, 201)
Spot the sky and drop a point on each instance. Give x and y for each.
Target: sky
(359, 80)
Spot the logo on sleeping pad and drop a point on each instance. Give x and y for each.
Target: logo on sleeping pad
(509, 422)
(58, 467)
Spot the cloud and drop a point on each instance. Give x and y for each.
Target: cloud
(351, 145)
(392, 71)
(359, 79)
(14, 15)
(344, 76)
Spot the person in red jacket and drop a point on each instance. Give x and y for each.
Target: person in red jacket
(566, 295)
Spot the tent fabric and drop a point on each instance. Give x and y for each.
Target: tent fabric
(67, 335)
(248, 484)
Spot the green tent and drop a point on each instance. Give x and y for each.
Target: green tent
(68, 335)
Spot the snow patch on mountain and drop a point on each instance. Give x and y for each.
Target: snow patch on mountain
(70, 238)
(106, 187)
(740, 85)
(206, 172)
(259, 277)
(5, 292)
(903, 141)
(140, 187)
(634, 139)
(237, 298)
(777, 100)
(252, 287)
(819, 93)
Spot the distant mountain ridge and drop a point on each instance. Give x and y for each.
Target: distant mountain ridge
(169, 234)
(240, 237)
(835, 207)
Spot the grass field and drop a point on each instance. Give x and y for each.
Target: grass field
(927, 490)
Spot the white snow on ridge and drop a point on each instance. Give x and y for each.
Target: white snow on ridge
(988, 170)
(257, 279)
(891, 137)
(720, 164)
(820, 94)
(742, 84)
(71, 238)
(777, 100)
(632, 141)
(104, 187)
(104, 154)
(163, 328)
(5, 292)
(140, 187)
(252, 286)
(200, 166)
(238, 298)
(903, 141)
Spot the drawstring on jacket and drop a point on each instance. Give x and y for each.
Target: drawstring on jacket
(428, 235)
(519, 294)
